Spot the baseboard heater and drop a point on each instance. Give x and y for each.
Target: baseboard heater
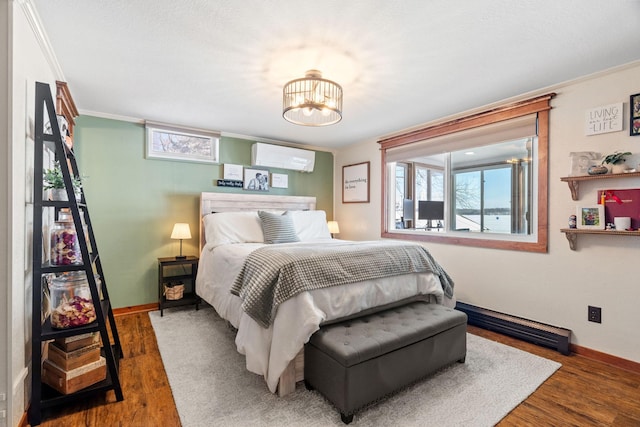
(528, 330)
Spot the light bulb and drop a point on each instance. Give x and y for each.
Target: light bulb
(326, 111)
(308, 111)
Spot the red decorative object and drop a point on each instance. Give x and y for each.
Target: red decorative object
(621, 203)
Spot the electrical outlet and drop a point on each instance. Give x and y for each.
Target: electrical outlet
(595, 314)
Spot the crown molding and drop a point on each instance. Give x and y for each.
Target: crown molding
(111, 116)
(39, 32)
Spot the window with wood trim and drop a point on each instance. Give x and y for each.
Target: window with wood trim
(479, 180)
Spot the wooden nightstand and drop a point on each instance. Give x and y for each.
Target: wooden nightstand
(177, 270)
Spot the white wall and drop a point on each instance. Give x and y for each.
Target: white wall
(555, 287)
(30, 63)
(5, 223)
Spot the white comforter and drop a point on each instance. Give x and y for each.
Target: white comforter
(269, 351)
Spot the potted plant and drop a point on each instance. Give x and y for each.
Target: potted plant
(52, 180)
(615, 160)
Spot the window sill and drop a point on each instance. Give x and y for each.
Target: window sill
(463, 238)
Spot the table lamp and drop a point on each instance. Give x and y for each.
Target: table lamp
(333, 228)
(181, 231)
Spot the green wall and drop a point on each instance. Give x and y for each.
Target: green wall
(134, 202)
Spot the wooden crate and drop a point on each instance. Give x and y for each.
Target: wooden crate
(69, 360)
(78, 341)
(71, 381)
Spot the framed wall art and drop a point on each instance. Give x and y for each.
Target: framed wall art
(279, 180)
(590, 217)
(634, 114)
(355, 183)
(256, 179)
(581, 162)
(166, 142)
(232, 172)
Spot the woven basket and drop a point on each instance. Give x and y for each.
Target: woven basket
(174, 292)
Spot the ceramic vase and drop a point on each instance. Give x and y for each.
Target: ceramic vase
(58, 194)
(619, 168)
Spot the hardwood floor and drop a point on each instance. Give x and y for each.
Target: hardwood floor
(582, 392)
(147, 396)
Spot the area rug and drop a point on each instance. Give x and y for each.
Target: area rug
(211, 386)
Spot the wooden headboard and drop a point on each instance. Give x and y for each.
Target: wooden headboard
(234, 202)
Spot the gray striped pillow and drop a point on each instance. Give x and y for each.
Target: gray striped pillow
(277, 228)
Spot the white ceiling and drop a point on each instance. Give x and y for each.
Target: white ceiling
(221, 65)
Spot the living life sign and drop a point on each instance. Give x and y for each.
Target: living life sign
(607, 118)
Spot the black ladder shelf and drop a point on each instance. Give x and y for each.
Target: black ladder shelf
(43, 396)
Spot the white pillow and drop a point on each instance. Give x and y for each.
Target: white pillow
(310, 225)
(223, 228)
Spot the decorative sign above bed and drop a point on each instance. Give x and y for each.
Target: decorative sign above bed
(232, 172)
(607, 118)
(229, 183)
(279, 180)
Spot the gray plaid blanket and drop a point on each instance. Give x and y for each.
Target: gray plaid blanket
(272, 274)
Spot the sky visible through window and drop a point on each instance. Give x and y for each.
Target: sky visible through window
(497, 188)
(497, 199)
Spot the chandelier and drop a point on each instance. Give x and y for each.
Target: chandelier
(312, 101)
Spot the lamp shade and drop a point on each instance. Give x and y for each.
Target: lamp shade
(333, 227)
(181, 230)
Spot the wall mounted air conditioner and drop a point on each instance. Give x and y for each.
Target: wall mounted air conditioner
(278, 156)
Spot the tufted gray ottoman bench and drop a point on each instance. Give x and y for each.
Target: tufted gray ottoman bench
(358, 361)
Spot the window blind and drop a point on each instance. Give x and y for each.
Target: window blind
(507, 130)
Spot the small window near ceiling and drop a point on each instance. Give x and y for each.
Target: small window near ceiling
(478, 181)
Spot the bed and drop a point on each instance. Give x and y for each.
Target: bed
(232, 239)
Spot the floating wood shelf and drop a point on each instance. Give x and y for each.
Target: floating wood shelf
(572, 234)
(574, 180)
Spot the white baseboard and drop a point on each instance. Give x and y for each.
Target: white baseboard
(19, 381)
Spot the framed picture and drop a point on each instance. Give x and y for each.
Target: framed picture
(634, 114)
(590, 217)
(168, 142)
(355, 183)
(279, 180)
(232, 172)
(581, 162)
(256, 179)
